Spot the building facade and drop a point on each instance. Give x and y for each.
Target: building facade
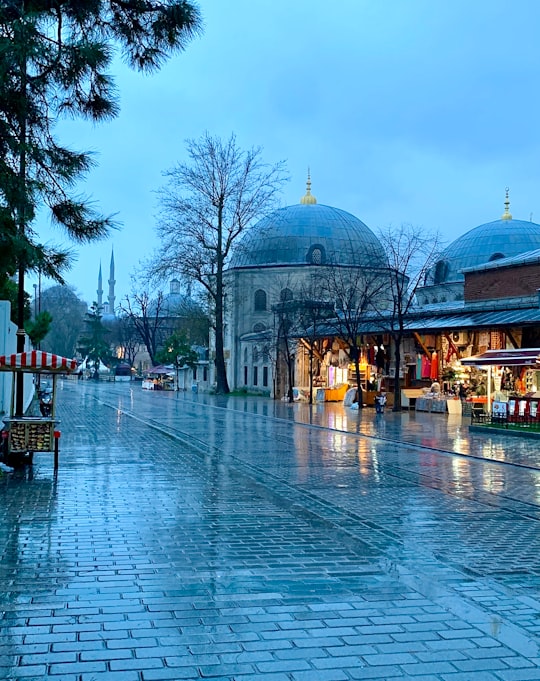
(281, 261)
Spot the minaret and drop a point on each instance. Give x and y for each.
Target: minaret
(112, 282)
(100, 289)
(507, 215)
(308, 198)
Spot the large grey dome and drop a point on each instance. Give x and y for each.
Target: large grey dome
(486, 243)
(308, 233)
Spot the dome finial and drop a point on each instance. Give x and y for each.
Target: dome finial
(506, 215)
(308, 198)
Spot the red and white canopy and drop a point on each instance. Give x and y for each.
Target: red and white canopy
(37, 361)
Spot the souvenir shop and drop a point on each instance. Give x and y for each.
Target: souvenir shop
(512, 380)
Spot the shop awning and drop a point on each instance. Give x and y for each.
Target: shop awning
(37, 361)
(527, 357)
(160, 370)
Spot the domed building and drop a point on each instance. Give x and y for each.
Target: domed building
(487, 243)
(281, 255)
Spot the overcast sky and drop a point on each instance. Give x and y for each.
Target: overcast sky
(415, 111)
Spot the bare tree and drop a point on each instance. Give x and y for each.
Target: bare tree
(356, 292)
(411, 252)
(207, 204)
(285, 347)
(126, 337)
(145, 313)
(312, 309)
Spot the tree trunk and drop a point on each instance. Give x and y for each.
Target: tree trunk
(222, 385)
(21, 219)
(397, 383)
(360, 393)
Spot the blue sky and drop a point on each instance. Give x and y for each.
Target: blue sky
(416, 112)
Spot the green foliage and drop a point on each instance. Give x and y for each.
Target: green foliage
(39, 327)
(94, 345)
(68, 312)
(178, 352)
(9, 292)
(54, 58)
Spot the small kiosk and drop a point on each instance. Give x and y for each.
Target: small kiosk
(518, 406)
(24, 435)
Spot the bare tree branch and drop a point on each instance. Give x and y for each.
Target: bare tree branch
(206, 205)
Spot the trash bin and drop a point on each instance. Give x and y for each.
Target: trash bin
(194, 388)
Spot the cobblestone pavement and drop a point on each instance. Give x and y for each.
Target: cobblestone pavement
(192, 537)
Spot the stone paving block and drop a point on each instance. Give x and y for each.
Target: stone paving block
(78, 668)
(232, 670)
(460, 633)
(48, 658)
(109, 675)
(440, 667)
(206, 660)
(471, 676)
(531, 674)
(103, 635)
(257, 677)
(375, 673)
(320, 675)
(286, 666)
(390, 659)
(520, 662)
(28, 672)
(343, 662)
(165, 674)
(452, 644)
(251, 657)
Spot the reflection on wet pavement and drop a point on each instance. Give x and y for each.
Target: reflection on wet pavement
(239, 538)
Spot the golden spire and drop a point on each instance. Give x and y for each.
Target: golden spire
(308, 198)
(506, 215)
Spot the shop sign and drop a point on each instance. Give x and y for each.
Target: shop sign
(499, 409)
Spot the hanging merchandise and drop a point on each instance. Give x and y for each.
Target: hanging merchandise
(434, 368)
(380, 358)
(426, 367)
(496, 340)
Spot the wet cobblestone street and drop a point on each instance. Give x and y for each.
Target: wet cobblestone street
(188, 536)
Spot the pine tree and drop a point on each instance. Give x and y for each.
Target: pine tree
(54, 56)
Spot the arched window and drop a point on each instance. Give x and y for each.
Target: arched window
(496, 256)
(257, 328)
(260, 300)
(441, 272)
(286, 294)
(316, 255)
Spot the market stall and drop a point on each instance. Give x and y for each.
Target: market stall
(22, 436)
(159, 378)
(513, 379)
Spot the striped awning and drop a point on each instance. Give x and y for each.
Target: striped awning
(37, 361)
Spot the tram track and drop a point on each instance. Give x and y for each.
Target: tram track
(438, 571)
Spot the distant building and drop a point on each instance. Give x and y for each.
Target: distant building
(107, 307)
(277, 260)
(487, 243)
